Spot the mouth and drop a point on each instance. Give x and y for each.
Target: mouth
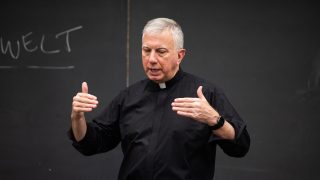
(154, 70)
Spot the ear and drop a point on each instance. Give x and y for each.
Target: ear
(181, 54)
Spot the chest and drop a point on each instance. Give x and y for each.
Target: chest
(149, 118)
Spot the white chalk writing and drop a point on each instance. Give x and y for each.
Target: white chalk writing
(14, 49)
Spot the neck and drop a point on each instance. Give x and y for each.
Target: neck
(172, 76)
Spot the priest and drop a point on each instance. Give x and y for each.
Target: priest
(169, 124)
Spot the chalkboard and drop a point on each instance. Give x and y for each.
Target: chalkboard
(47, 48)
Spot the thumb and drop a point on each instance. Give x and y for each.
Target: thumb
(85, 87)
(199, 93)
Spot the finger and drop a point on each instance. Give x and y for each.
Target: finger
(80, 109)
(186, 99)
(186, 114)
(83, 105)
(199, 93)
(85, 87)
(85, 99)
(85, 95)
(183, 109)
(184, 104)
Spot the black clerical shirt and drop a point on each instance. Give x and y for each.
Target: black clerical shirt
(157, 143)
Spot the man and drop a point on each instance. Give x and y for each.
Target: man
(168, 124)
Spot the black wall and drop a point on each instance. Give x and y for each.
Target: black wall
(265, 55)
(37, 87)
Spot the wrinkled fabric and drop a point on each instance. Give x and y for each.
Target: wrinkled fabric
(158, 144)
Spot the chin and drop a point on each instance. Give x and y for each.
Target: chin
(156, 79)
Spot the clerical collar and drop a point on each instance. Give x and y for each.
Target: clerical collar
(162, 85)
(167, 84)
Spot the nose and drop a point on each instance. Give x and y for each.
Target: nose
(152, 57)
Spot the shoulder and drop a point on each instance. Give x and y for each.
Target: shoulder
(133, 90)
(200, 81)
(137, 87)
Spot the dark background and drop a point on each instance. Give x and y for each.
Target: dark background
(264, 54)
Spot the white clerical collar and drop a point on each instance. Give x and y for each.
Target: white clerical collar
(162, 85)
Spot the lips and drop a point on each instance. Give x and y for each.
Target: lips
(154, 71)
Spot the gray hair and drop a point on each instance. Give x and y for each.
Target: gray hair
(159, 25)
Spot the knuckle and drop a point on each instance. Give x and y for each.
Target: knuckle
(74, 103)
(76, 109)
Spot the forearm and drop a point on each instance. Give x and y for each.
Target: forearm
(93, 137)
(220, 127)
(79, 125)
(237, 147)
(226, 131)
(82, 102)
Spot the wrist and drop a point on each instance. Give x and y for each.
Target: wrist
(213, 121)
(76, 115)
(219, 123)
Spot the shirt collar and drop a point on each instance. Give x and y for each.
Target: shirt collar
(153, 86)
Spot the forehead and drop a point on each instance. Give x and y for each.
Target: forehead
(162, 39)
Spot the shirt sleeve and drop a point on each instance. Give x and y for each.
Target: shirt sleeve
(103, 133)
(241, 144)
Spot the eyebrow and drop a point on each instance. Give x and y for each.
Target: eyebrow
(144, 46)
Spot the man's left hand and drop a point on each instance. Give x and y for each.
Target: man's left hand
(196, 108)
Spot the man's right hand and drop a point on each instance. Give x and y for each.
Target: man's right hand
(83, 102)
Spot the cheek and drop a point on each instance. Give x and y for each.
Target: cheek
(167, 65)
(144, 62)
(173, 63)
(163, 64)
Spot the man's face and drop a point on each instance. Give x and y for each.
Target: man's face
(160, 58)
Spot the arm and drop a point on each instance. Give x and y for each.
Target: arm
(225, 132)
(200, 110)
(82, 102)
(100, 135)
(232, 137)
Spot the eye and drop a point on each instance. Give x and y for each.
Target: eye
(162, 51)
(146, 50)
